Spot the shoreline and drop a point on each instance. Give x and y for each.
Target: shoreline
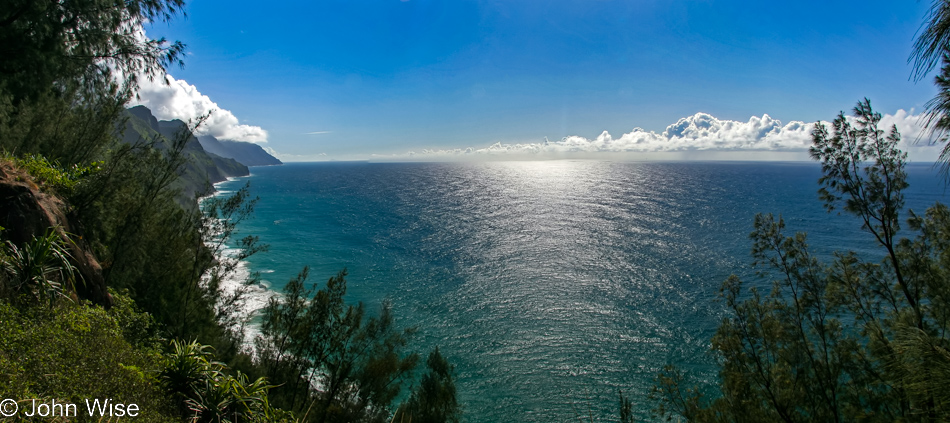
(258, 291)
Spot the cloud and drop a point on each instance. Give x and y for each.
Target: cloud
(317, 132)
(699, 132)
(910, 126)
(181, 100)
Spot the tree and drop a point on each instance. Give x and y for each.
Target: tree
(932, 40)
(937, 115)
(47, 45)
(842, 341)
(70, 67)
(933, 46)
(434, 400)
(73, 351)
(312, 338)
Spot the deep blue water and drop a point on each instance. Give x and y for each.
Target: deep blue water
(550, 285)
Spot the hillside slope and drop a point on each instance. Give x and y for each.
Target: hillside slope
(203, 168)
(246, 153)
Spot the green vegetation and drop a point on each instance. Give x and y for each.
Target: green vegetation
(112, 279)
(318, 357)
(933, 46)
(36, 273)
(841, 341)
(204, 390)
(433, 400)
(51, 175)
(60, 86)
(198, 168)
(312, 337)
(849, 340)
(76, 351)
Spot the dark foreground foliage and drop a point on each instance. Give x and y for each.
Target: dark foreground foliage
(433, 401)
(311, 337)
(850, 340)
(72, 352)
(173, 341)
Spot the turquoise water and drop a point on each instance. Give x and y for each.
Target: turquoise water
(550, 285)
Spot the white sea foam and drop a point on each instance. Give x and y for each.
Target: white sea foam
(256, 292)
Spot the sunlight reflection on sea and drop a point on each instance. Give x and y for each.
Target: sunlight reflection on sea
(550, 285)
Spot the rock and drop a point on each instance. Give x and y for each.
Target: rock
(27, 212)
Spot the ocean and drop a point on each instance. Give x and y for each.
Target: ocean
(550, 285)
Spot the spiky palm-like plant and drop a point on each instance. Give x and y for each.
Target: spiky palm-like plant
(40, 271)
(187, 365)
(208, 394)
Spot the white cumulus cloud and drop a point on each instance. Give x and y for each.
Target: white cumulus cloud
(181, 100)
(699, 132)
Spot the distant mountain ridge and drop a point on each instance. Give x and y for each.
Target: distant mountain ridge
(202, 168)
(248, 154)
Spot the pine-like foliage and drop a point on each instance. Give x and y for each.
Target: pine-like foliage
(69, 68)
(849, 340)
(433, 400)
(333, 363)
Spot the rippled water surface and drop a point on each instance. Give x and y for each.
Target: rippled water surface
(550, 285)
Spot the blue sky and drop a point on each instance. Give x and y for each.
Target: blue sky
(390, 76)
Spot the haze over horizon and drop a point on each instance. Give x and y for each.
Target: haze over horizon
(427, 80)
